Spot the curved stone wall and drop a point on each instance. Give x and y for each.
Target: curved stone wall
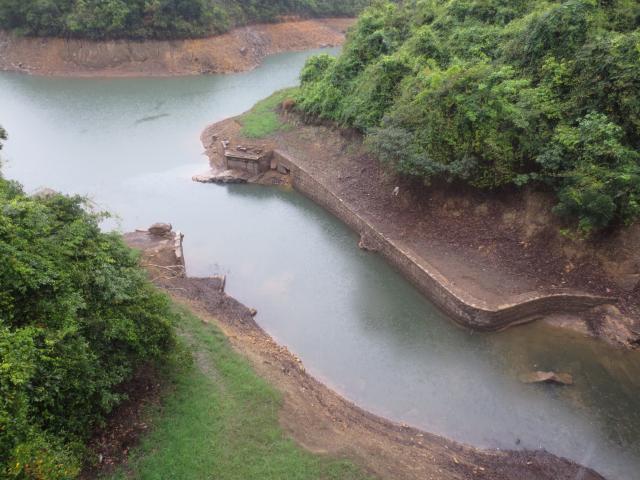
(464, 309)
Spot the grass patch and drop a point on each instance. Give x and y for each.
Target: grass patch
(262, 119)
(220, 421)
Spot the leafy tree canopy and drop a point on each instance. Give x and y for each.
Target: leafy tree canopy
(98, 19)
(497, 92)
(77, 318)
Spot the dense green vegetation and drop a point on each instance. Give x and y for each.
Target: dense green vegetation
(220, 421)
(98, 19)
(495, 93)
(77, 319)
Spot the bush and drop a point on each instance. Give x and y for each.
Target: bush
(77, 319)
(598, 177)
(491, 92)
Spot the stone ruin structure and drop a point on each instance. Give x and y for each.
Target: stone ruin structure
(251, 159)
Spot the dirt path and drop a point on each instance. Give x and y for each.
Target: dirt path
(239, 50)
(323, 422)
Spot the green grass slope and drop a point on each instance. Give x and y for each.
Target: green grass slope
(220, 421)
(262, 119)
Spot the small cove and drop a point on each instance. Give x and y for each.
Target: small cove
(131, 145)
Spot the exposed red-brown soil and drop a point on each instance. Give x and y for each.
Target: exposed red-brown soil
(323, 422)
(238, 50)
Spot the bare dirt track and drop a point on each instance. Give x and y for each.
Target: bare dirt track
(239, 50)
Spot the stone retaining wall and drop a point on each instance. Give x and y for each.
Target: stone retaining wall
(465, 310)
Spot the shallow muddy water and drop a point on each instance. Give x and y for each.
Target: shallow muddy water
(132, 146)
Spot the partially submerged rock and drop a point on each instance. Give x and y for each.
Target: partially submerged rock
(547, 377)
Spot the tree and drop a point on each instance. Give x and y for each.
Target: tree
(99, 19)
(78, 317)
(497, 93)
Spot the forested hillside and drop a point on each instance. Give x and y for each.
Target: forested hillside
(159, 19)
(77, 319)
(495, 93)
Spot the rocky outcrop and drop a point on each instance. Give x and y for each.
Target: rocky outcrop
(239, 50)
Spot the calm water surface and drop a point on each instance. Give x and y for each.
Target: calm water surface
(132, 146)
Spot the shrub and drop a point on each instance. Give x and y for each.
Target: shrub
(77, 318)
(598, 177)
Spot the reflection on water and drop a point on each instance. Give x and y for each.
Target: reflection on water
(132, 145)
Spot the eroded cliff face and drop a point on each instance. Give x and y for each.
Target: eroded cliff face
(239, 50)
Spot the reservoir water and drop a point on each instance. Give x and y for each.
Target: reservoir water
(132, 145)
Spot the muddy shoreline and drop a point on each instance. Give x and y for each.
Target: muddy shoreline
(321, 420)
(239, 50)
(492, 284)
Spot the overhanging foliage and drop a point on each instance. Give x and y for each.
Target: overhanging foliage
(497, 92)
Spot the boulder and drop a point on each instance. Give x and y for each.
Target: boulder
(160, 229)
(547, 377)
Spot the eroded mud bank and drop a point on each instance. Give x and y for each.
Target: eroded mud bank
(240, 50)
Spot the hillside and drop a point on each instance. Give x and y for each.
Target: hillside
(156, 19)
(497, 94)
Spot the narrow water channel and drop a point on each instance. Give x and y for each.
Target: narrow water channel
(132, 145)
